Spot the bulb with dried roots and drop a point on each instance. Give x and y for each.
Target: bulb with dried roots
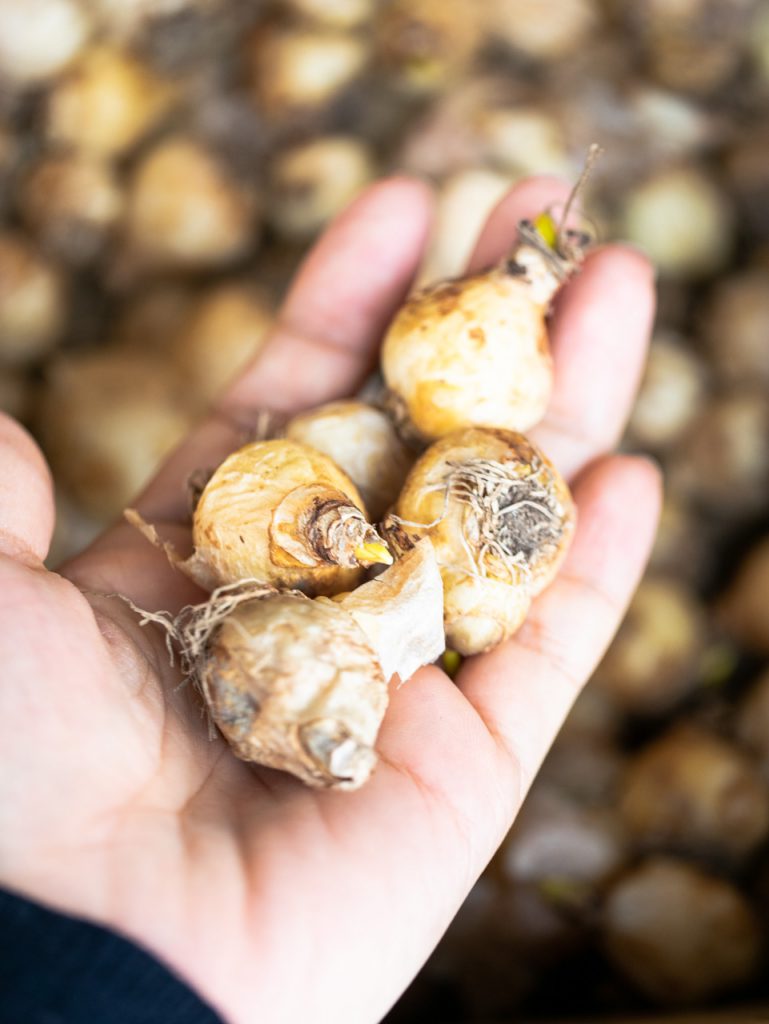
(300, 684)
(363, 442)
(474, 351)
(500, 518)
(283, 514)
(270, 662)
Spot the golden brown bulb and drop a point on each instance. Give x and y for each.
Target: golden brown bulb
(39, 38)
(500, 519)
(72, 202)
(681, 935)
(33, 302)
(690, 791)
(424, 44)
(299, 70)
(218, 336)
(105, 103)
(672, 393)
(653, 662)
(682, 220)
(279, 513)
(335, 13)
(547, 30)
(301, 685)
(735, 325)
(294, 684)
(743, 608)
(185, 211)
(310, 183)
(474, 351)
(106, 420)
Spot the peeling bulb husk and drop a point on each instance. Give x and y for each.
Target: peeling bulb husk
(401, 612)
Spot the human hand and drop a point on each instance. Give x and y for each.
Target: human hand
(278, 902)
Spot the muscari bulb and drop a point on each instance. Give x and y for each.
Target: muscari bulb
(293, 684)
(106, 420)
(223, 330)
(39, 38)
(185, 211)
(33, 302)
(298, 70)
(311, 182)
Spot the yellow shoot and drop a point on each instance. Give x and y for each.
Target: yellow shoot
(373, 554)
(451, 661)
(547, 229)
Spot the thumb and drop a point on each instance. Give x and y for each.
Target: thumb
(26, 495)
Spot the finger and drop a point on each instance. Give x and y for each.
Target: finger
(523, 690)
(348, 288)
(346, 292)
(598, 333)
(599, 336)
(327, 333)
(26, 495)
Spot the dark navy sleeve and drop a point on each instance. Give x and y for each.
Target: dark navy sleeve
(56, 969)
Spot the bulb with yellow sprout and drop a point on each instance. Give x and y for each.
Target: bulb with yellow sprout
(363, 442)
(281, 513)
(500, 519)
(474, 351)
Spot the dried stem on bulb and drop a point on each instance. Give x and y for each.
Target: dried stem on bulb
(333, 530)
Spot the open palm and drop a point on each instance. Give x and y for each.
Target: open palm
(273, 900)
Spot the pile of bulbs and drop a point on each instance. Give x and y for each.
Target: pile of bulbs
(294, 650)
